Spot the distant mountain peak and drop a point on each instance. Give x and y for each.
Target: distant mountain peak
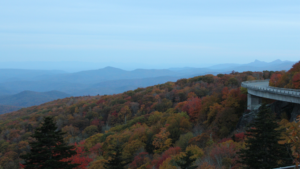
(275, 61)
(26, 91)
(109, 67)
(258, 61)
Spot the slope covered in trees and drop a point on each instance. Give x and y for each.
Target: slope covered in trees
(289, 79)
(155, 127)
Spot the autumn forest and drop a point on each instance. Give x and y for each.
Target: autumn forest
(196, 119)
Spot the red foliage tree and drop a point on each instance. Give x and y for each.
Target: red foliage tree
(239, 137)
(275, 79)
(139, 160)
(225, 92)
(100, 101)
(96, 149)
(192, 107)
(168, 153)
(80, 157)
(296, 81)
(295, 68)
(224, 150)
(95, 122)
(21, 166)
(115, 114)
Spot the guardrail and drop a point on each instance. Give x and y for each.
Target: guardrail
(269, 89)
(253, 81)
(288, 167)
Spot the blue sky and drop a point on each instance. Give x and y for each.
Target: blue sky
(149, 34)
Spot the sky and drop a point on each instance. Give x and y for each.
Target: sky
(146, 34)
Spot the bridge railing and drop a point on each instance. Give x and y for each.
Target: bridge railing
(288, 167)
(254, 81)
(269, 89)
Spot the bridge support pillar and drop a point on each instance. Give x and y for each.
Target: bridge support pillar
(253, 102)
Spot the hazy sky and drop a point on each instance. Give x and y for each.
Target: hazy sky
(149, 33)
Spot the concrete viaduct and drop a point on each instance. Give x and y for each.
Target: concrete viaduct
(259, 89)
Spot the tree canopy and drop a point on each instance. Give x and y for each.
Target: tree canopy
(49, 149)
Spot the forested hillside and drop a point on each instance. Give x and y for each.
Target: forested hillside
(153, 126)
(289, 79)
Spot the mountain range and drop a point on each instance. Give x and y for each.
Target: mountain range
(14, 102)
(23, 88)
(30, 98)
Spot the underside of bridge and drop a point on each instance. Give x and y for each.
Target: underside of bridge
(284, 102)
(253, 102)
(290, 110)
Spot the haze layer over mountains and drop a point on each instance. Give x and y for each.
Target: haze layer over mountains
(23, 88)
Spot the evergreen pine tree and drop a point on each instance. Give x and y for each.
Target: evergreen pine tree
(49, 149)
(186, 162)
(262, 148)
(116, 161)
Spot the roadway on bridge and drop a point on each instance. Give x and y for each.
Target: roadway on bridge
(260, 84)
(261, 89)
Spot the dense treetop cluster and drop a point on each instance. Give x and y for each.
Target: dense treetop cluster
(289, 79)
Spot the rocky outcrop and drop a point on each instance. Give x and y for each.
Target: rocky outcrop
(247, 118)
(281, 109)
(295, 112)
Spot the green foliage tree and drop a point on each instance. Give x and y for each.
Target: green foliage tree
(49, 149)
(186, 161)
(176, 125)
(183, 141)
(262, 148)
(116, 160)
(90, 130)
(149, 147)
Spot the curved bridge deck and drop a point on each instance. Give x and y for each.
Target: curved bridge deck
(261, 89)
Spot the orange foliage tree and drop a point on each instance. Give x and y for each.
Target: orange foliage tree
(275, 79)
(296, 81)
(290, 79)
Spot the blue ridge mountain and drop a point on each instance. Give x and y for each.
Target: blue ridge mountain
(31, 98)
(108, 80)
(7, 108)
(119, 86)
(23, 74)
